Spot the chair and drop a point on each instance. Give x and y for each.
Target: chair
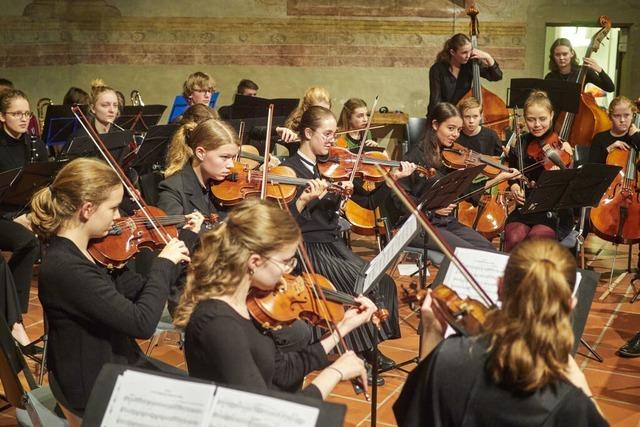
(165, 326)
(34, 407)
(416, 127)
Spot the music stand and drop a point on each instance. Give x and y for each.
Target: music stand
(564, 96)
(180, 104)
(82, 146)
(17, 186)
(60, 124)
(153, 149)
(244, 106)
(448, 188)
(140, 118)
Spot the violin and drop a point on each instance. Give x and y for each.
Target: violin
(548, 151)
(465, 315)
(490, 216)
(339, 165)
(281, 184)
(459, 157)
(294, 298)
(129, 234)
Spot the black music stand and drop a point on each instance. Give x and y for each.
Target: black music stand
(17, 186)
(140, 118)
(153, 149)
(245, 107)
(82, 146)
(330, 414)
(564, 96)
(60, 124)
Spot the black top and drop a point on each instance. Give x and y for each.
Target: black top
(602, 80)
(224, 347)
(451, 387)
(318, 221)
(598, 149)
(182, 193)
(444, 87)
(15, 153)
(486, 142)
(95, 316)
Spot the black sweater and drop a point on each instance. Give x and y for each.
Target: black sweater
(222, 346)
(95, 316)
(598, 149)
(602, 79)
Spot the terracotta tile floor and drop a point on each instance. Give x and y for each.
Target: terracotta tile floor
(615, 382)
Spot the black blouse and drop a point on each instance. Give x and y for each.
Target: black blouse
(602, 79)
(15, 153)
(598, 149)
(224, 347)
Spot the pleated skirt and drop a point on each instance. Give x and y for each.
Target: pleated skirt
(341, 266)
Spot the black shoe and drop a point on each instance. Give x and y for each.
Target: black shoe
(631, 348)
(380, 381)
(30, 349)
(384, 363)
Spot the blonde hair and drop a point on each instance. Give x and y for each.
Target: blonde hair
(197, 80)
(531, 335)
(538, 98)
(220, 263)
(198, 113)
(210, 134)
(622, 100)
(468, 103)
(348, 109)
(98, 87)
(82, 180)
(313, 96)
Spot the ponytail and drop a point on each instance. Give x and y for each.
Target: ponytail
(179, 152)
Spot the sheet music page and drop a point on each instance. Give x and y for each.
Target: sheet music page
(235, 408)
(381, 262)
(141, 399)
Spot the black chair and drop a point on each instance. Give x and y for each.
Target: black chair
(416, 127)
(34, 407)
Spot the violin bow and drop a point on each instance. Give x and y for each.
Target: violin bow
(113, 164)
(364, 135)
(267, 150)
(437, 238)
(240, 136)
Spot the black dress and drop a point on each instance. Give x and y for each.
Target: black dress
(222, 346)
(95, 316)
(602, 80)
(445, 87)
(332, 258)
(451, 387)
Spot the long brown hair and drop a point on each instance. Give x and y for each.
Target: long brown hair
(561, 42)
(347, 111)
(210, 134)
(219, 265)
(531, 335)
(442, 112)
(454, 43)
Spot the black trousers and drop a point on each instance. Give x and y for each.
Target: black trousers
(25, 249)
(9, 305)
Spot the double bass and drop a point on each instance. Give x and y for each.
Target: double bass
(494, 110)
(581, 127)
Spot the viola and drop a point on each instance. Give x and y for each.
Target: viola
(294, 298)
(466, 315)
(339, 165)
(281, 184)
(459, 157)
(548, 151)
(129, 234)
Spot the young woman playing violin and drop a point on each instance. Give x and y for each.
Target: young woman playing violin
(313, 96)
(520, 370)
(444, 131)
(317, 214)
(451, 75)
(95, 315)
(222, 343)
(563, 65)
(103, 106)
(622, 111)
(17, 148)
(538, 115)
(354, 116)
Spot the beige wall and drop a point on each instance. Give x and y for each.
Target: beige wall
(156, 43)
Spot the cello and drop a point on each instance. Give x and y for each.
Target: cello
(581, 127)
(494, 110)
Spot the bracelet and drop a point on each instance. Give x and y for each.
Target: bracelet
(337, 370)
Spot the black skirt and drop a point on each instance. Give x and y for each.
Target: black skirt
(336, 262)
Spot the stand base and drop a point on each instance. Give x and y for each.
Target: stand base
(591, 350)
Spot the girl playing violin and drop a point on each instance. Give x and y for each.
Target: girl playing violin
(17, 148)
(444, 131)
(103, 105)
(313, 96)
(622, 111)
(451, 75)
(95, 315)
(520, 370)
(538, 115)
(563, 65)
(354, 116)
(252, 249)
(316, 213)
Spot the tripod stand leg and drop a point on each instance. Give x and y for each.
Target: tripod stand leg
(591, 350)
(612, 285)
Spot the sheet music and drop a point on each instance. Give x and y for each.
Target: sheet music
(235, 408)
(381, 262)
(141, 400)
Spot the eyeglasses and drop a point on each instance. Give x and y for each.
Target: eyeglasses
(328, 136)
(204, 90)
(286, 266)
(20, 114)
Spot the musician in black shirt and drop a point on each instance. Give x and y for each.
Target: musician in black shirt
(621, 112)
(451, 75)
(473, 135)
